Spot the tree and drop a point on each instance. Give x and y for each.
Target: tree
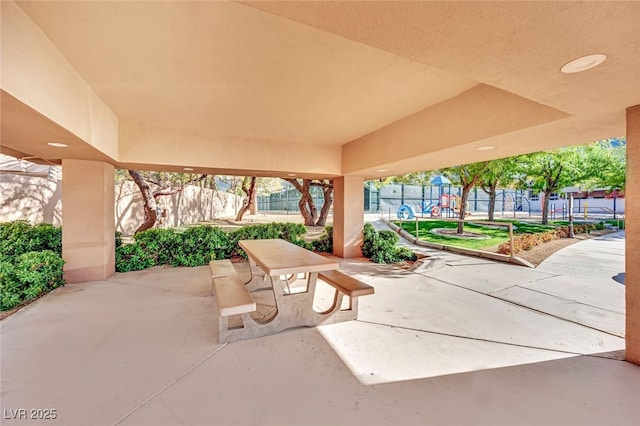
(306, 204)
(611, 164)
(249, 203)
(466, 176)
(497, 173)
(153, 185)
(550, 171)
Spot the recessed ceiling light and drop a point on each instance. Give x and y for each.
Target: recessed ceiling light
(291, 174)
(486, 148)
(57, 144)
(584, 63)
(188, 169)
(383, 170)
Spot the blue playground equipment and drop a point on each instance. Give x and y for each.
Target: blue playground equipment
(407, 211)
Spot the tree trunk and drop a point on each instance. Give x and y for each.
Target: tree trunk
(463, 206)
(253, 203)
(309, 220)
(327, 193)
(307, 207)
(545, 208)
(312, 207)
(250, 198)
(149, 202)
(492, 201)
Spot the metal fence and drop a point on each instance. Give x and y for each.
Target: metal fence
(447, 198)
(286, 201)
(389, 198)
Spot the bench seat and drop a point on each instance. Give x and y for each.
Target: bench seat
(221, 268)
(346, 284)
(232, 296)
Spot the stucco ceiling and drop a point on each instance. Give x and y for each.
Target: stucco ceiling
(228, 69)
(400, 86)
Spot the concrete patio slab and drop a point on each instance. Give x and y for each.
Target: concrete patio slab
(482, 277)
(423, 303)
(296, 378)
(377, 353)
(141, 349)
(604, 293)
(602, 255)
(580, 313)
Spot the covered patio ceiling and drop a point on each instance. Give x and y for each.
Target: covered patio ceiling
(315, 89)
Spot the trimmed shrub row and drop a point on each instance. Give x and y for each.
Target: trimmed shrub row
(30, 262)
(198, 245)
(381, 247)
(528, 241)
(324, 243)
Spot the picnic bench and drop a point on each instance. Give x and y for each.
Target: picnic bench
(345, 285)
(269, 261)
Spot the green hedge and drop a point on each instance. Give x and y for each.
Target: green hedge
(30, 262)
(381, 247)
(21, 237)
(198, 245)
(324, 243)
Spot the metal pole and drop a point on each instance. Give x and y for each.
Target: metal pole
(475, 198)
(416, 227)
(511, 249)
(571, 216)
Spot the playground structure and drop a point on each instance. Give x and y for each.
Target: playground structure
(449, 204)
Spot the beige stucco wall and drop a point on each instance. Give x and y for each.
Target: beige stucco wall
(632, 274)
(38, 199)
(191, 205)
(88, 235)
(348, 205)
(35, 199)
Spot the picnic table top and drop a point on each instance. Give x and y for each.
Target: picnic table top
(280, 257)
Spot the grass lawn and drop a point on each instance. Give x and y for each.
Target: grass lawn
(496, 235)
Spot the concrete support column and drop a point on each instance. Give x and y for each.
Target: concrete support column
(348, 216)
(632, 249)
(88, 225)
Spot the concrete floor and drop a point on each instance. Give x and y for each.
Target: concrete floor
(474, 342)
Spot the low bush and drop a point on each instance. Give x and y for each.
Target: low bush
(30, 261)
(381, 247)
(291, 232)
(31, 275)
(528, 241)
(21, 237)
(118, 239)
(198, 245)
(324, 243)
(132, 257)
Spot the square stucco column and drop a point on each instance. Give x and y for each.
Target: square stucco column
(348, 216)
(88, 224)
(632, 249)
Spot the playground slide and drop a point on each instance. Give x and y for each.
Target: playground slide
(407, 211)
